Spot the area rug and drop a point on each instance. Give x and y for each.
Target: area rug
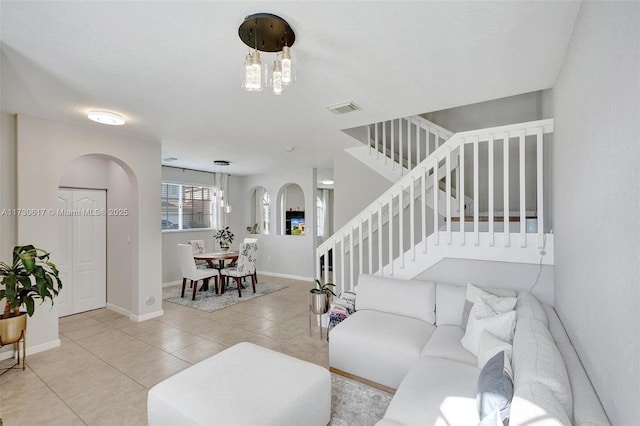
(354, 403)
(208, 301)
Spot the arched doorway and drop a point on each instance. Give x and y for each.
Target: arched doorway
(89, 178)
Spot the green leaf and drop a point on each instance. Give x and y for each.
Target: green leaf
(30, 307)
(10, 287)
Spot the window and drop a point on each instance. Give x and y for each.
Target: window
(187, 207)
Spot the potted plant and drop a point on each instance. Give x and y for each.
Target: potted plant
(29, 277)
(320, 297)
(224, 237)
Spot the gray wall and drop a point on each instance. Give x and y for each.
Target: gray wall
(487, 274)
(356, 186)
(596, 201)
(497, 112)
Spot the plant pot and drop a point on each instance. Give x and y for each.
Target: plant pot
(319, 302)
(13, 328)
(224, 247)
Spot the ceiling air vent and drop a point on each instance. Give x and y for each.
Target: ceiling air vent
(343, 108)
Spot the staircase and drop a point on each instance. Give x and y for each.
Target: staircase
(395, 147)
(494, 176)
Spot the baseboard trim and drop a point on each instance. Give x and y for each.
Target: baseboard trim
(171, 283)
(145, 317)
(279, 275)
(31, 349)
(118, 309)
(362, 380)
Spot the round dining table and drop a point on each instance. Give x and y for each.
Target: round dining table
(216, 260)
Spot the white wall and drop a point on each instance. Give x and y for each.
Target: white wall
(53, 146)
(294, 199)
(486, 274)
(356, 186)
(8, 223)
(597, 198)
(284, 255)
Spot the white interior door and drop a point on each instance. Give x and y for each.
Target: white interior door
(83, 240)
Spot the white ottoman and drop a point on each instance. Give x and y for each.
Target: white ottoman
(243, 385)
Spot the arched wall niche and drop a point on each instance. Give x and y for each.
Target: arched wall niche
(259, 211)
(290, 210)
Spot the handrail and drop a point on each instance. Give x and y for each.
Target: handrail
(399, 130)
(426, 174)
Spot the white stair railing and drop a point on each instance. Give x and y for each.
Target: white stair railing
(405, 142)
(391, 228)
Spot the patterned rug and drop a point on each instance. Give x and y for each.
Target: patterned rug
(354, 403)
(208, 301)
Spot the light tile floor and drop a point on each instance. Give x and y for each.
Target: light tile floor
(105, 364)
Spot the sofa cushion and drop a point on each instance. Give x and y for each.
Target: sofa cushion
(378, 346)
(500, 325)
(534, 404)
(537, 359)
(500, 300)
(490, 345)
(415, 299)
(449, 303)
(495, 391)
(436, 391)
(445, 343)
(529, 307)
(556, 328)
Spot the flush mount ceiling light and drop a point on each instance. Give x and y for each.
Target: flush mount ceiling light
(106, 117)
(265, 32)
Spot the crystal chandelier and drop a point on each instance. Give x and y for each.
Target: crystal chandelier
(264, 32)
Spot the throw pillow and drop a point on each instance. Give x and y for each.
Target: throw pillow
(477, 295)
(495, 392)
(490, 345)
(500, 325)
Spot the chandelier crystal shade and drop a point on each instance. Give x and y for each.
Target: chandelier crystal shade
(265, 32)
(221, 189)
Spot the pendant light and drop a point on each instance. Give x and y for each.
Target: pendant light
(221, 185)
(276, 79)
(265, 32)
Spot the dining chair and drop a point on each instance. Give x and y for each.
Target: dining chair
(198, 247)
(245, 266)
(191, 272)
(252, 240)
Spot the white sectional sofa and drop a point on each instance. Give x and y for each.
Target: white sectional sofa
(406, 336)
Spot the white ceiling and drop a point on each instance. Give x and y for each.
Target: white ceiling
(173, 69)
